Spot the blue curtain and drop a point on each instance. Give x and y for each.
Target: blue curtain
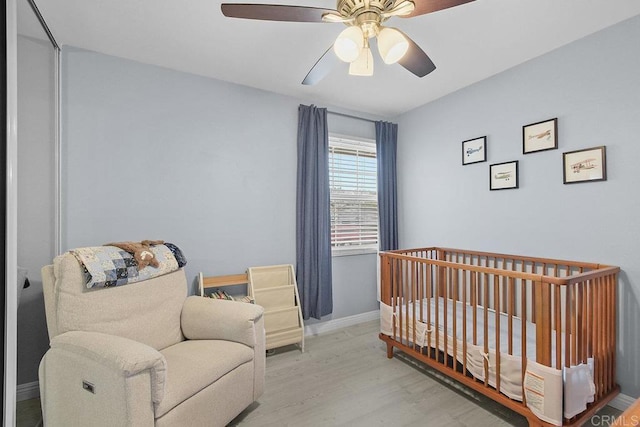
(313, 221)
(386, 144)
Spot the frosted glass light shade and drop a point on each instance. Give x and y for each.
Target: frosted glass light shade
(392, 45)
(363, 66)
(349, 44)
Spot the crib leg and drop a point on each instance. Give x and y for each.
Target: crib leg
(389, 350)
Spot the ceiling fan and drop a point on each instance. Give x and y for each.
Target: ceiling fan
(364, 19)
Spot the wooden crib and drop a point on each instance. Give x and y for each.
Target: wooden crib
(526, 332)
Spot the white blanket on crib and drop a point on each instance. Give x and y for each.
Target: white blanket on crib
(543, 385)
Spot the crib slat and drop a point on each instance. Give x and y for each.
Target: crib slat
(599, 362)
(401, 301)
(485, 337)
(543, 324)
(533, 296)
(445, 316)
(574, 315)
(611, 333)
(523, 324)
(568, 316)
(511, 309)
(608, 308)
(605, 335)
(558, 326)
(421, 289)
(454, 315)
(605, 330)
(578, 319)
(464, 322)
(394, 294)
(437, 309)
(429, 296)
(474, 304)
(592, 319)
(407, 300)
(591, 310)
(611, 281)
(413, 300)
(582, 339)
(496, 297)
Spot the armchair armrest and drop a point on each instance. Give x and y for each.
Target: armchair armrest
(208, 318)
(120, 354)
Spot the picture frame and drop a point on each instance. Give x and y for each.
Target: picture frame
(474, 150)
(503, 176)
(586, 165)
(540, 136)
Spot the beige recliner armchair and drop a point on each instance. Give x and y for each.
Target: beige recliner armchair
(145, 354)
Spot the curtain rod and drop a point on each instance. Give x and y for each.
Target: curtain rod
(350, 116)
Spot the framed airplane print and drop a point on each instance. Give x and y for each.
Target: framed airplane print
(474, 150)
(503, 176)
(540, 136)
(585, 165)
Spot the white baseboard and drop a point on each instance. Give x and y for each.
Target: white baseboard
(343, 322)
(27, 391)
(622, 402)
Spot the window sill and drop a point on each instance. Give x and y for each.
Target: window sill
(352, 252)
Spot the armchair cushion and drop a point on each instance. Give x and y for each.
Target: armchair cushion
(210, 319)
(194, 365)
(120, 354)
(147, 312)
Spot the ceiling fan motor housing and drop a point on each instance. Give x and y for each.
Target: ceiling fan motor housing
(353, 8)
(365, 13)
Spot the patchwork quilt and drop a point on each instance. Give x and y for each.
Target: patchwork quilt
(108, 266)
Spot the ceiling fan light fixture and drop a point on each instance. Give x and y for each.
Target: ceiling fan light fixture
(348, 45)
(363, 65)
(392, 45)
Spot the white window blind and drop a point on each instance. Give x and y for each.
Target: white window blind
(354, 195)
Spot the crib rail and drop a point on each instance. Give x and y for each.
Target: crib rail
(572, 306)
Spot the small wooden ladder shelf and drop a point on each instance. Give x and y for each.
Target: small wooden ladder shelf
(274, 288)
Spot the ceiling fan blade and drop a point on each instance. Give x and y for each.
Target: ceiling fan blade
(322, 67)
(415, 60)
(274, 12)
(428, 6)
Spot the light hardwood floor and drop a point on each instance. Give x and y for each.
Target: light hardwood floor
(345, 379)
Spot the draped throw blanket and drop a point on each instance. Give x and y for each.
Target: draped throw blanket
(386, 147)
(313, 221)
(108, 266)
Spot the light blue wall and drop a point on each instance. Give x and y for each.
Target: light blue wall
(151, 153)
(593, 87)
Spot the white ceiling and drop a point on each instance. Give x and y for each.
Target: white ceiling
(467, 43)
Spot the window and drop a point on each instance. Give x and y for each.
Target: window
(354, 195)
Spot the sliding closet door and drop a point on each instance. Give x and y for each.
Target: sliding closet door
(37, 60)
(30, 193)
(3, 183)
(3, 180)
(9, 190)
